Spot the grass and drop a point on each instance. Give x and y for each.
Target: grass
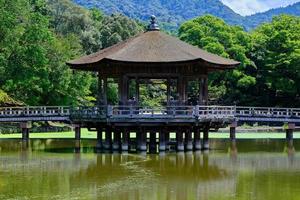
(85, 134)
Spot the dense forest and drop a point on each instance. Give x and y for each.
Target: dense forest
(172, 13)
(37, 37)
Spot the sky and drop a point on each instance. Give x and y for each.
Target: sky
(248, 7)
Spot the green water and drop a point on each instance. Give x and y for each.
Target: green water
(249, 170)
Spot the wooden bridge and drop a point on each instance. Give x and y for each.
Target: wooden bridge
(140, 114)
(118, 121)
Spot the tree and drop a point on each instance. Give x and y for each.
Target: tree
(277, 53)
(214, 35)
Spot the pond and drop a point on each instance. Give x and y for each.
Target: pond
(247, 169)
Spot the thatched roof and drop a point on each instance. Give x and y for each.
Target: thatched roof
(153, 47)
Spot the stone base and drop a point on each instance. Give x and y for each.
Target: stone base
(180, 147)
(205, 145)
(189, 146)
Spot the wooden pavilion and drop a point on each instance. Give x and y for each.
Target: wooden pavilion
(147, 56)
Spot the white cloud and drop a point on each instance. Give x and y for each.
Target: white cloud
(248, 7)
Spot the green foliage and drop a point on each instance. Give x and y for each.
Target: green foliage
(277, 52)
(37, 37)
(172, 13)
(215, 36)
(270, 60)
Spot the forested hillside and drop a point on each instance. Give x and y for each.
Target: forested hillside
(172, 13)
(37, 37)
(259, 18)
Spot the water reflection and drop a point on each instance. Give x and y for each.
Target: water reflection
(51, 169)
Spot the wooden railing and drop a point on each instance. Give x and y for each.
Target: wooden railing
(137, 112)
(267, 112)
(34, 111)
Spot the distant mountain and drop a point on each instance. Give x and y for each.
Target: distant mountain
(253, 21)
(171, 13)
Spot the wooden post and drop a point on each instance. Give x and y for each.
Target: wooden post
(152, 144)
(188, 140)
(125, 140)
(99, 145)
(179, 138)
(108, 140)
(117, 140)
(205, 96)
(105, 91)
(25, 126)
(233, 126)
(162, 140)
(168, 91)
(197, 139)
(77, 132)
(141, 136)
(289, 131)
(205, 138)
(201, 82)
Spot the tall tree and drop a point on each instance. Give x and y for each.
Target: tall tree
(215, 36)
(277, 53)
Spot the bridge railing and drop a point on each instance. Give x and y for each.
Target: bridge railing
(267, 112)
(34, 111)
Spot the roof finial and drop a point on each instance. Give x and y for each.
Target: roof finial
(153, 26)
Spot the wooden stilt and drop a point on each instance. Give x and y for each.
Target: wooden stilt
(188, 140)
(25, 126)
(233, 130)
(152, 144)
(142, 140)
(99, 145)
(162, 140)
(77, 132)
(205, 139)
(125, 140)
(108, 140)
(117, 141)
(289, 131)
(197, 139)
(179, 140)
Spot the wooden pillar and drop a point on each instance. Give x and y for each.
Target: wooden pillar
(117, 141)
(182, 89)
(77, 131)
(123, 89)
(205, 138)
(289, 131)
(141, 136)
(162, 140)
(99, 144)
(232, 127)
(179, 140)
(105, 91)
(168, 91)
(201, 90)
(25, 126)
(205, 92)
(125, 140)
(188, 140)
(108, 139)
(152, 144)
(137, 90)
(197, 139)
(100, 89)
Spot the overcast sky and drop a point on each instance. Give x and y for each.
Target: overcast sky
(248, 7)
